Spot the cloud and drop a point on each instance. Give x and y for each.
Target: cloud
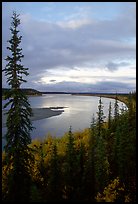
(101, 87)
(52, 80)
(111, 66)
(74, 24)
(77, 41)
(47, 45)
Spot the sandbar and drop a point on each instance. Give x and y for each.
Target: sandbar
(38, 113)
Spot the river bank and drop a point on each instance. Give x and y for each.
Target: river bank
(38, 113)
(121, 97)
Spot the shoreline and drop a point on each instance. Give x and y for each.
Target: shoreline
(38, 114)
(120, 97)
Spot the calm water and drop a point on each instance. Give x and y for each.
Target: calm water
(78, 113)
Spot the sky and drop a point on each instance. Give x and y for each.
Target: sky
(75, 46)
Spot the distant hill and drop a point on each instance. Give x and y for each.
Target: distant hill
(27, 91)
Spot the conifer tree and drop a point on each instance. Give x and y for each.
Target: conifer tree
(131, 112)
(101, 164)
(70, 167)
(109, 115)
(80, 179)
(116, 109)
(109, 137)
(18, 120)
(100, 118)
(89, 172)
(54, 177)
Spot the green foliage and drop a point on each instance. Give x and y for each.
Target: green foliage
(70, 165)
(14, 69)
(18, 122)
(17, 153)
(101, 165)
(54, 178)
(88, 184)
(100, 118)
(116, 109)
(109, 116)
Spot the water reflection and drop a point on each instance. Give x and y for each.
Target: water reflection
(77, 113)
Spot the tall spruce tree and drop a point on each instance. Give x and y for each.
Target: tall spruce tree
(100, 118)
(54, 177)
(80, 174)
(18, 120)
(101, 164)
(109, 115)
(70, 167)
(109, 137)
(89, 171)
(116, 109)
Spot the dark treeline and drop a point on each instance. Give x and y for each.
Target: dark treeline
(96, 165)
(26, 91)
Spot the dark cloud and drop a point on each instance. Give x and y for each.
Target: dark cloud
(114, 66)
(52, 80)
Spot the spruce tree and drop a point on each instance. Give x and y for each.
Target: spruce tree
(116, 109)
(70, 167)
(80, 179)
(100, 118)
(18, 120)
(131, 111)
(109, 115)
(109, 137)
(54, 177)
(89, 171)
(101, 164)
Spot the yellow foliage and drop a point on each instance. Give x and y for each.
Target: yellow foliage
(127, 199)
(35, 142)
(112, 192)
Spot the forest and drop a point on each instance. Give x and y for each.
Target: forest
(95, 165)
(26, 91)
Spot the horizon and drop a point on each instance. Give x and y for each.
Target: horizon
(63, 92)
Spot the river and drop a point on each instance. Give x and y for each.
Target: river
(78, 111)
